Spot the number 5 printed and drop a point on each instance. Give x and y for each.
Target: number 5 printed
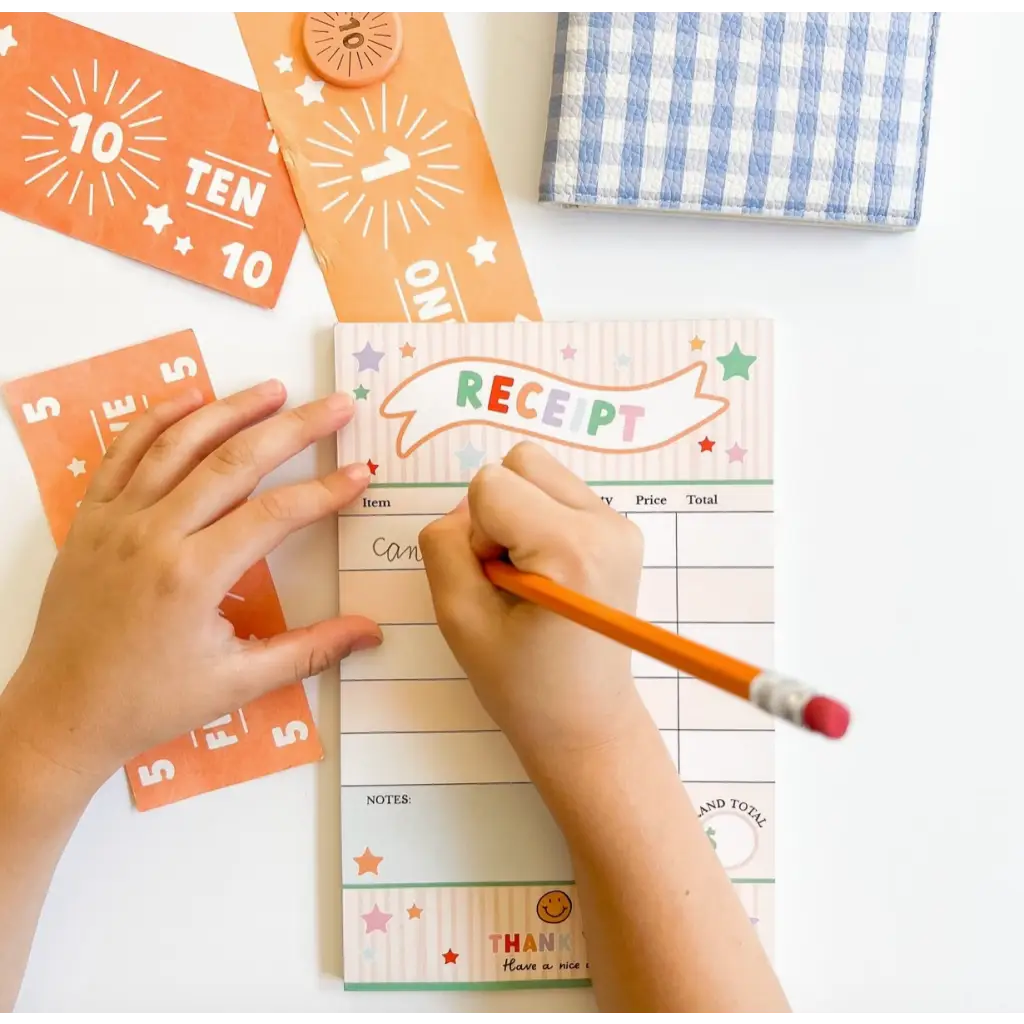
(292, 732)
(160, 770)
(42, 410)
(181, 368)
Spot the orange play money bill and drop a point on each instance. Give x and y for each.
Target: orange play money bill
(67, 419)
(390, 167)
(114, 145)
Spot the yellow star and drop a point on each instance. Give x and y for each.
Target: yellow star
(414, 912)
(368, 862)
(407, 350)
(696, 344)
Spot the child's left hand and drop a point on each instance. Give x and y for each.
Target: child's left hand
(129, 649)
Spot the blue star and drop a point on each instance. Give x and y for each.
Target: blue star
(368, 953)
(368, 358)
(469, 457)
(624, 359)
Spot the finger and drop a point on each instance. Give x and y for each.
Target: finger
(542, 469)
(124, 455)
(178, 450)
(241, 538)
(509, 511)
(265, 665)
(231, 472)
(457, 583)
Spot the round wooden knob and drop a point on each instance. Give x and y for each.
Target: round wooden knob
(352, 50)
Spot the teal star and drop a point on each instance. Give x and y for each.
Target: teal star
(361, 392)
(736, 364)
(469, 457)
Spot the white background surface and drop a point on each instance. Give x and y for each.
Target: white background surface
(899, 445)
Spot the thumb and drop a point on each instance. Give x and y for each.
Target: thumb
(301, 653)
(458, 586)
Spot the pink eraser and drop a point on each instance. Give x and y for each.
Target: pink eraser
(827, 716)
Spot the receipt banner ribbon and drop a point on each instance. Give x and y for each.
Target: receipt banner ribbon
(526, 400)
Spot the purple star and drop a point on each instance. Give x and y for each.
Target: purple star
(376, 920)
(568, 352)
(736, 453)
(368, 358)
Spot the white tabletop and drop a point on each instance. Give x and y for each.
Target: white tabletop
(900, 369)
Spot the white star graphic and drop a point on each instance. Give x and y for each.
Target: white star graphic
(311, 91)
(157, 217)
(272, 146)
(482, 251)
(76, 467)
(283, 64)
(7, 40)
(184, 245)
(520, 319)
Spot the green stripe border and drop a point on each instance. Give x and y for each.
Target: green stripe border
(462, 986)
(599, 483)
(500, 885)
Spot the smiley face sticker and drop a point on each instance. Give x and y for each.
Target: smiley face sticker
(554, 907)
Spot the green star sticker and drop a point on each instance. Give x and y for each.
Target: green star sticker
(736, 364)
(361, 392)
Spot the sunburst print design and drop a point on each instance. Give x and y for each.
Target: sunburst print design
(354, 44)
(93, 134)
(386, 172)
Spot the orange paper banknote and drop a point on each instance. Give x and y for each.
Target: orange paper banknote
(141, 155)
(391, 169)
(67, 419)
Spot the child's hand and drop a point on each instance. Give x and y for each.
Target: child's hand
(551, 685)
(129, 649)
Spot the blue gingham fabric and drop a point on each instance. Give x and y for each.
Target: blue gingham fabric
(815, 117)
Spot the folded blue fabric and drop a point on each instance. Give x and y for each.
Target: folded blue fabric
(814, 117)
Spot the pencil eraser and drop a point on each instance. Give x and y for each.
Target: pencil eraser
(827, 716)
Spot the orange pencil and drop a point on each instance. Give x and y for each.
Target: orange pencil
(779, 696)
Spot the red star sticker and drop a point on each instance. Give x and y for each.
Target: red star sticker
(706, 445)
(450, 957)
(373, 467)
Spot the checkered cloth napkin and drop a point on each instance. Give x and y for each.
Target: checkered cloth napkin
(815, 117)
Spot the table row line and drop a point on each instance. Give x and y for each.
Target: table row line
(633, 498)
(690, 596)
(419, 652)
(670, 539)
(461, 758)
(451, 706)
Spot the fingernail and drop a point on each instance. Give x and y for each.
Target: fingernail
(339, 401)
(270, 387)
(367, 643)
(358, 472)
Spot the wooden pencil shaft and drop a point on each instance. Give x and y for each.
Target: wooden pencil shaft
(687, 656)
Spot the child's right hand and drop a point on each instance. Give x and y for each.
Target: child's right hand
(552, 686)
